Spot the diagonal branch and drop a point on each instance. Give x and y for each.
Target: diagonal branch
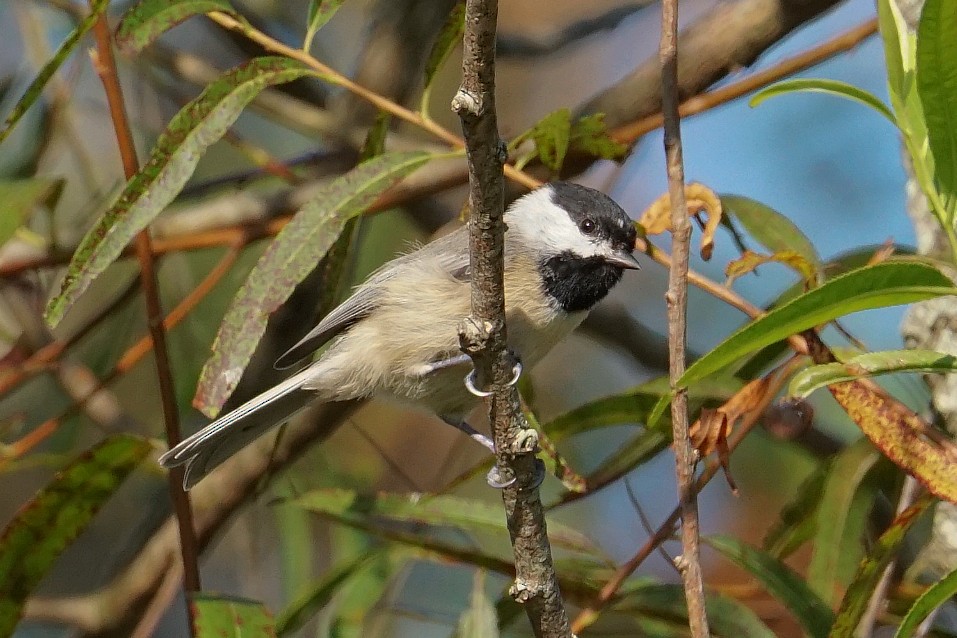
(483, 334)
(105, 65)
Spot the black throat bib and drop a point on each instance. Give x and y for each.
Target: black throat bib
(578, 283)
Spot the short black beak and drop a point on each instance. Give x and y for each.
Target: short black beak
(623, 259)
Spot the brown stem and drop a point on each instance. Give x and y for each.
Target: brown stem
(689, 563)
(105, 65)
(483, 335)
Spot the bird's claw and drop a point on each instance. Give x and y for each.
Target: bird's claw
(474, 389)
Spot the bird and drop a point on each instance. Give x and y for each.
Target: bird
(397, 335)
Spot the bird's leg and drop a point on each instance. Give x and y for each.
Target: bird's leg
(494, 476)
(434, 366)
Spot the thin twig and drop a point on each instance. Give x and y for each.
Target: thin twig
(689, 563)
(105, 65)
(483, 334)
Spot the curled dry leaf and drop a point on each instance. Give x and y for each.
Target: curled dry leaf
(702, 201)
(750, 260)
(710, 432)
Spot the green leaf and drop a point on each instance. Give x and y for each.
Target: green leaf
(147, 20)
(467, 515)
(197, 126)
(829, 87)
(215, 616)
(552, 136)
(450, 35)
(33, 92)
(311, 603)
(871, 364)
(770, 228)
(837, 539)
(632, 406)
(291, 256)
(21, 197)
(480, 619)
(320, 12)
(798, 519)
(859, 594)
(932, 598)
(780, 581)
(590, 135)
(55, 516)
(937, 89)
(889, 283)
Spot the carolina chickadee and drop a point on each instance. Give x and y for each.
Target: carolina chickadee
(397, 335)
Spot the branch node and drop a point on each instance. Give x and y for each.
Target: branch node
(467, 104)
(525, 442)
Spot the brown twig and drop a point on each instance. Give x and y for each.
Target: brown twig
(483, 334)
(689, 563)
(840, 43)
(105, 65)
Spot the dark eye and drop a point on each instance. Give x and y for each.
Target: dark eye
(587, 226)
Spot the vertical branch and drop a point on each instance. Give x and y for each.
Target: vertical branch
(483, 334)
(677, 299)
(105, 65)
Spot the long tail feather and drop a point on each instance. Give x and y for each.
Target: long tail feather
(208, 448)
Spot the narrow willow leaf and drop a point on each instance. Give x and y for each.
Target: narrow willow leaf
(480, 619)
(633, 406)
(780, 581)
(320, 12)
(33, 92)
(829, 87)
(837, 539)
(893, 34)
(301, 610)
(932, 598)
(46, 525)
(450, 35)
(21, 197)
(770, 228)
(197, 126)
(214, 616)
(291, 256)
(859, 594)
(726, 616)
(890, 283)
(937, 89)
(467, 515)
(871, 364)
(798, 519)
(147, 20)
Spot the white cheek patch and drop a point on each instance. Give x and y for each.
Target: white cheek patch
(549, 227)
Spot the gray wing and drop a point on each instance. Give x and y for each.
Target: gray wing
(451, 252)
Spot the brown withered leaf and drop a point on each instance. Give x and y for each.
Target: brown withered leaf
(750, 260)
(710, 432)
(900, 434)
(702, 202)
